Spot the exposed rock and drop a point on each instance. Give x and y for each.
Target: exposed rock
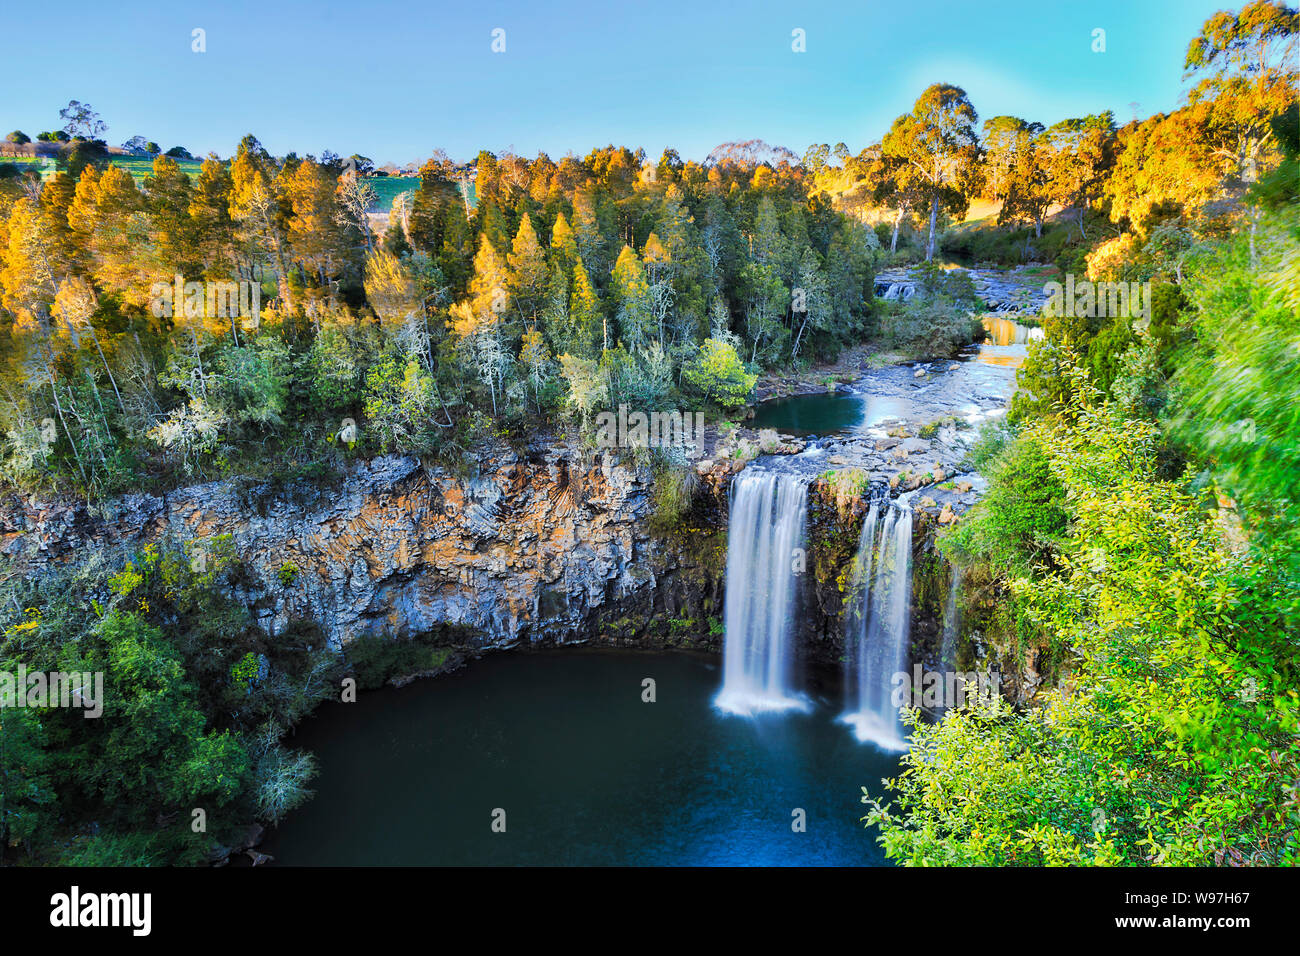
(536, 547)
(243, 841)
(453, 662)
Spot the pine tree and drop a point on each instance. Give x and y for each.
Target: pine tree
(211, 222)
(528, 272)
(563, 244)
(586, 315)
(630, 300)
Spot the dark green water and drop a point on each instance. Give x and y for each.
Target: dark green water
(820, 413)
(586, 772)
(826, 413)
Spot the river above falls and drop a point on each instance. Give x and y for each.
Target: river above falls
(585, 771)
(974, 387)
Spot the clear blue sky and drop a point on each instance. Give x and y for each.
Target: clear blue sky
(393, 81)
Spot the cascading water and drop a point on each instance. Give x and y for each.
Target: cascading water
(877, 622)
(764, 528)
(951, 621)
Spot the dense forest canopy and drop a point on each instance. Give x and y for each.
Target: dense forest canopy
(562, 287)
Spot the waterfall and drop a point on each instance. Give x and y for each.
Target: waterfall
(877, 618)
(857, 606)
(764, 528)
(951, 621)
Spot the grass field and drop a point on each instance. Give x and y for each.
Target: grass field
(386, 187)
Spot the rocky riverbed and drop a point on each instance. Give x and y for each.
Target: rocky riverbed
(1019, 291)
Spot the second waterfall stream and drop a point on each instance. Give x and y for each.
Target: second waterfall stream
(764, 541)
(877, 617)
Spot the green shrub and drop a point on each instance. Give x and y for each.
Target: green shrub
(674, 496)
(1021, 519)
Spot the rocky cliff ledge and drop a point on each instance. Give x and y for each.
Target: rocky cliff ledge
(551, 544)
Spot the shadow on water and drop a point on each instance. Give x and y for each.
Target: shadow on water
(586, 772)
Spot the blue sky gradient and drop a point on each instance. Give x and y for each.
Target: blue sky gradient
(393, 80)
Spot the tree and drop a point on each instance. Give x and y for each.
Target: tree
(27, 799)
(1164, 169)
(355, 198)
(809, 300)
(168, 196)
(1248, 75)
(74, 306)
(586, 314)
(82, 122)
(1081, 152)
(1246, 65)
(717, 372)
(315, 236)
(1016, 159)
(630, 297)
(939, 147)
(528, 271)
(108, 216)
(536, 361)
(210, 217)
(766, 299)
(887, 181)
(554, 318)
(478, 320)
(255, 206)
(18, 137)
(401, 404)
(390, 290)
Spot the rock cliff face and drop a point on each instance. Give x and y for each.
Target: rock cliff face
(548, 545)
(551, 545)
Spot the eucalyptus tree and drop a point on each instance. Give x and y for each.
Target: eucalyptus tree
(939, 153)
